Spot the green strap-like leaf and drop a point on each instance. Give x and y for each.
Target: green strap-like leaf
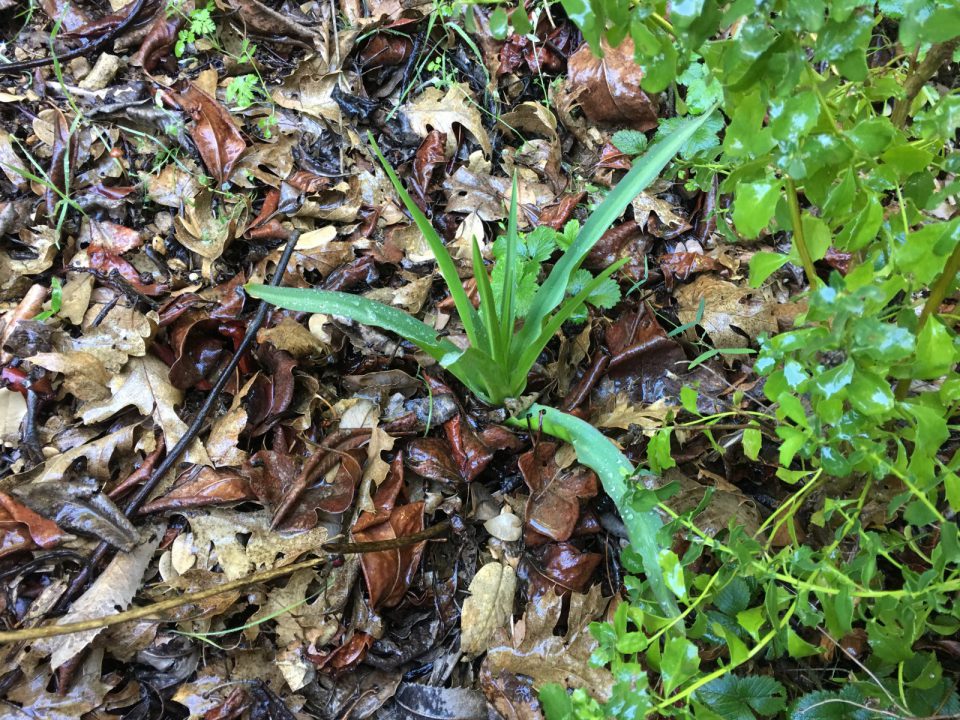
(359, 309)
(468, 314)
(646, 169)
(598, 453)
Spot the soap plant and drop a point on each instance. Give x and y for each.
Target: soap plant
(517, 316)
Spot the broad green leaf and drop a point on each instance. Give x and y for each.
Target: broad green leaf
(936, 352)
(763, 264)
(870, 394)
(556, 702)
(754, 205)
(740, 697)
(679, 662)
(752, 440)
(871, 137)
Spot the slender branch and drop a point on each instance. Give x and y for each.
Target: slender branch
(937, 294)
(136, 502)
(150, 611)
(937, 56)
(798, 239)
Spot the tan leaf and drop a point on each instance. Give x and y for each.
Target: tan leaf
(488, 608)
(534, 650)
(411, 296)
(293, 337)
(76, 296)
(113, 590)
(620, 411)
(726, 307)
(144, 385)
(121, 333)
(204, 231)
(12, 409)
(533, 117)
(489, 196)
(434, 109)
(310, 90)
(84, 376)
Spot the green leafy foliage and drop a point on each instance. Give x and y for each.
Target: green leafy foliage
(243, 90)
(496, 364)
(840, 143)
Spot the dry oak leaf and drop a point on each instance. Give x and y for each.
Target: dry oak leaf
(488, 608)
(608, 88)
(310, 89)
(533, 117)
(534, 650)
(144, 385)
(112, 591)
(84, 375)
(438, 110)
(733, 316)
(218, 140)
(12, 409)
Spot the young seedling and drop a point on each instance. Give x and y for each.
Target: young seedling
(504, 343)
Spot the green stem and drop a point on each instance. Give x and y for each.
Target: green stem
(937, 293)
(798, 238)
(663, 23)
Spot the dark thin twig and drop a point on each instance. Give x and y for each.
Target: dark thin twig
(16, 67)
(135, 502)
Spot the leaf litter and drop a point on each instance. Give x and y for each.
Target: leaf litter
(169, 173)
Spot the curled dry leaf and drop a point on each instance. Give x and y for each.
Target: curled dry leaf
(200, 486)
(23, 529)
(609, 87)
(159, 40)
(219, 142)
(489, 606)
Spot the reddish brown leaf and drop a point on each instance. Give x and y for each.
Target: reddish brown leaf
(201, 486)
(100, 26)
(839, 261)
(345, 657)
(612, 158)
(308, 182)
(433, 458)
(383, 50)
(389, 572)
(554, 504)
(561, 566)
(557, 214)
(232, 708)
(429, 156)
(469, 451)
(681, 265)
(159, 41)
(107, 263)
(626, 240)
(272, 391)
(265, 225)
(219, 142)
(609, 87)
(643, 354)
(202, 349)
(23, 529)
(113, 238)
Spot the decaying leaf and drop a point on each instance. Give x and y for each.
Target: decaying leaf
(219, 142)
(144, 385)
(440, 110)
(537, 652)
(609, 87)
(489, 606)
(111, 592)
(733, 316)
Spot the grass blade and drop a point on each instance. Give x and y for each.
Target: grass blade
(646, 169)
(488, 307)
(598, 453)
(508, 316)
(468, 314)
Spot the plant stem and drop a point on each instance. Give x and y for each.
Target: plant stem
(937, 293)
(798, 238)
(938, 54)
(663, 23)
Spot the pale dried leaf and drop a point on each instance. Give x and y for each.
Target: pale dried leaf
(12, 409)
(111, 592)
(434, 109)
(728, 306)
(84, 375)
(489, 606)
